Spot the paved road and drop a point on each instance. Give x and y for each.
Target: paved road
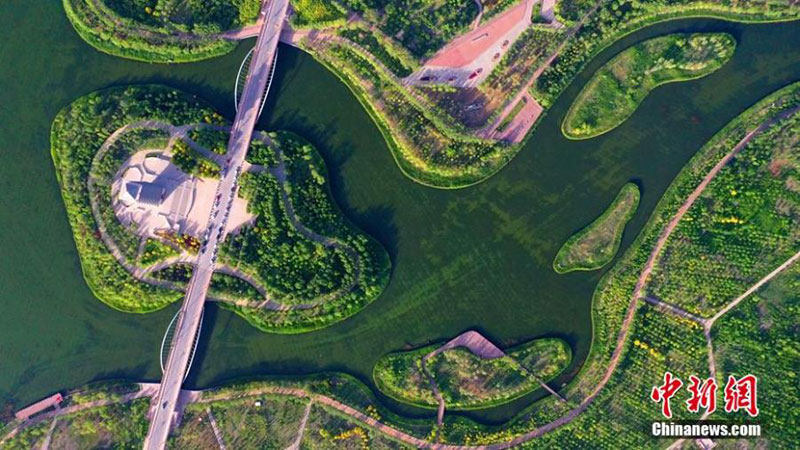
(165, 403)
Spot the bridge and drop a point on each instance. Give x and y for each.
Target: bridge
(164, 408)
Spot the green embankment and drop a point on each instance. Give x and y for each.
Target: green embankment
(166, 32)
(467, 381)
(595, 246)
(616, 89)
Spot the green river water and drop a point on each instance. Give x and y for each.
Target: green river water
(478, 258)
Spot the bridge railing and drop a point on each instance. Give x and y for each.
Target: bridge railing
(168, 339)
(241, 78)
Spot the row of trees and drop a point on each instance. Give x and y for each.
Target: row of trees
(746, 223)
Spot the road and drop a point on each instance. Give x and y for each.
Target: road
(164, 409)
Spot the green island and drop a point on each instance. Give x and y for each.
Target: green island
(443, 131)
(163, 31)
(596, 245)
(466, 380)
(291, 264)
(617, 88)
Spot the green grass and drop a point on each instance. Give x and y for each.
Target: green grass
(244, 424)
(616, 89)
(596, 245)
(760, 337)
(467, 381)
(317, 14)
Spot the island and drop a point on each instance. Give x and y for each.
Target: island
(138, 187)
(596, 245)
(469, 372)
(617, 89)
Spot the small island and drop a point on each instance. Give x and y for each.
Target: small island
(596, 245)
(469, 372)
(139, 168)
(616, 90)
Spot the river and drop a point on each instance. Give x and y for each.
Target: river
(477, 258)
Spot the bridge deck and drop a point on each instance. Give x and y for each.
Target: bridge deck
(165, 404)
